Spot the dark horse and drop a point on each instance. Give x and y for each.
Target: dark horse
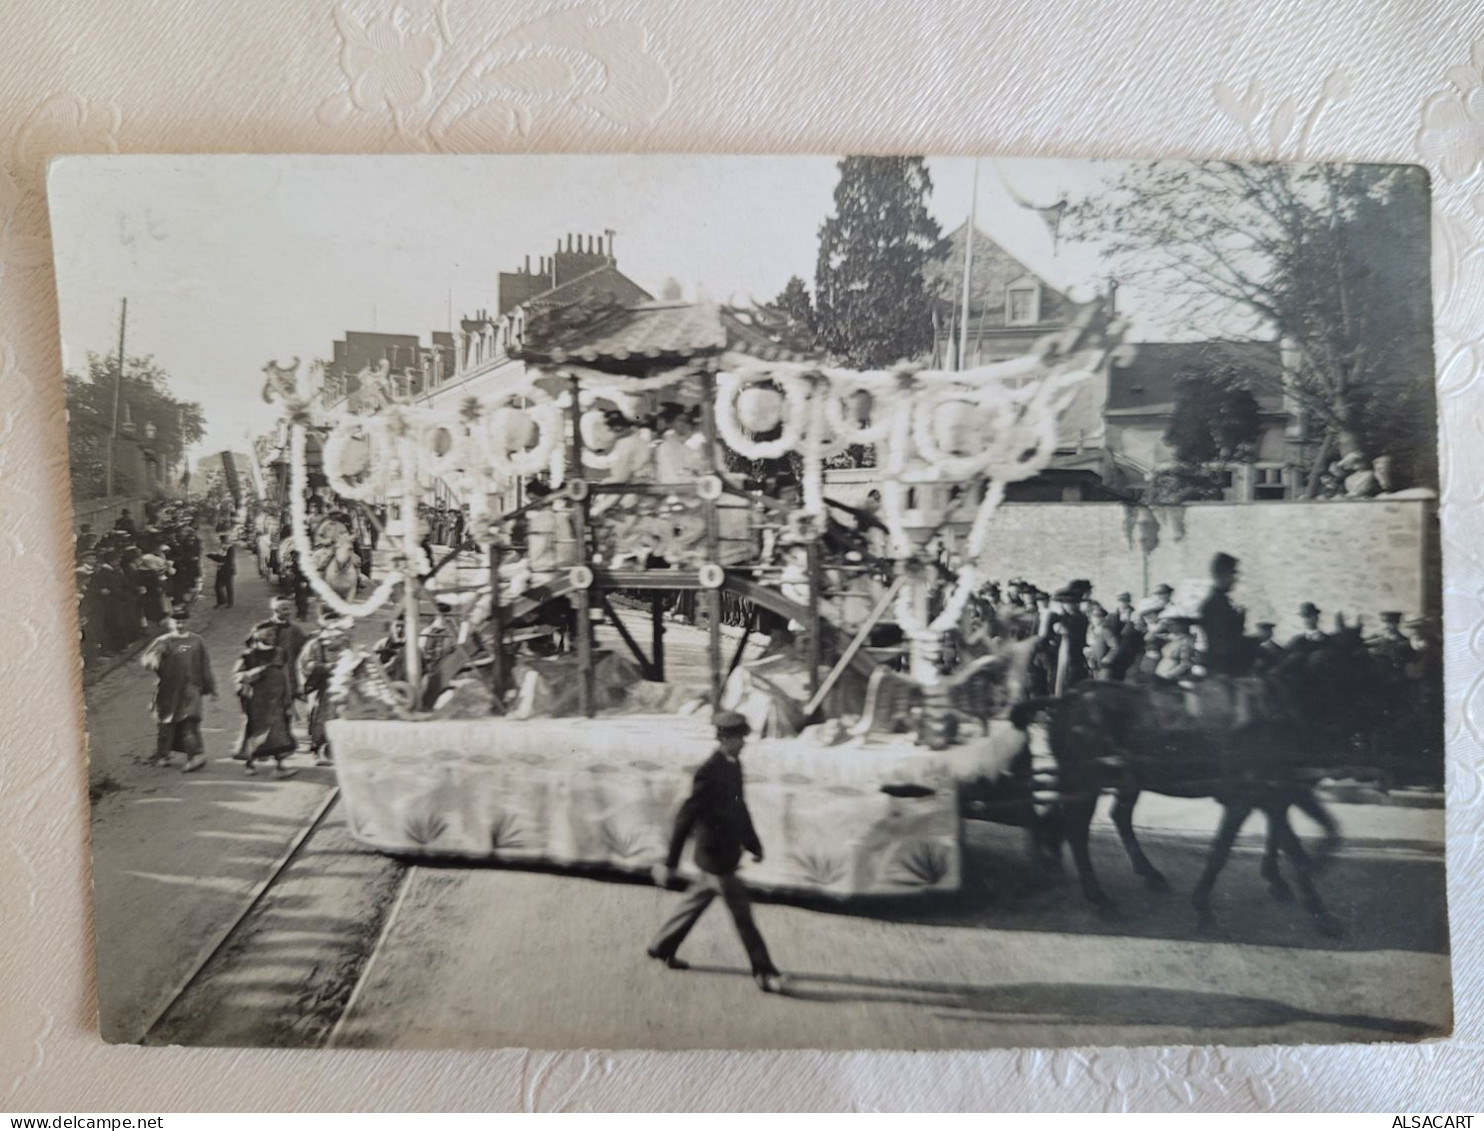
(1251, 744)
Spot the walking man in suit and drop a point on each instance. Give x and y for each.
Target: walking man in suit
(716, 813)
(226, 572)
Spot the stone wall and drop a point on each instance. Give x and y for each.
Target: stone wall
(1351, 557)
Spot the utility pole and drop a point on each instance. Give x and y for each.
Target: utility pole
(963, 328)
(118, 384)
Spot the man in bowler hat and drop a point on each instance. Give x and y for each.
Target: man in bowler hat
(716, 813)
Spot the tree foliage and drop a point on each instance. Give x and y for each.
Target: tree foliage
(147, 414)
(1215, 418)
(872, 306)
(1330, 259)
(794, 303)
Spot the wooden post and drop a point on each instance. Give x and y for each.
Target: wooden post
(816, 649)
(713, 538)
(657, 629)
(582, 600)
(497, 630)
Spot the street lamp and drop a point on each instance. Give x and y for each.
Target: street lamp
(1148, 529)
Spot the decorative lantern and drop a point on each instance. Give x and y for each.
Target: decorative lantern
(520, 430)
(759, 409)
(955, 426)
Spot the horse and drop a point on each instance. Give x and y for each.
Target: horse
(1260, 744)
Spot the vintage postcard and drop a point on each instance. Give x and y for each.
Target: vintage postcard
(1005, 594)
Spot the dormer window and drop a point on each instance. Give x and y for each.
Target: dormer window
(1023, 303)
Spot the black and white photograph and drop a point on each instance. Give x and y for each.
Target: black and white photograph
(683, 602)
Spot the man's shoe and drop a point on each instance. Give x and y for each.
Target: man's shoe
(671, 961)
(771, 983)
(194, 764)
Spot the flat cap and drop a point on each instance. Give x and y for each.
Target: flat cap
(730, 722)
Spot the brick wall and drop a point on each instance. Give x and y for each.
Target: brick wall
(1357, 557)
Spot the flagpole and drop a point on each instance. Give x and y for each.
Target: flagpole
(963, 329)
(118, 385)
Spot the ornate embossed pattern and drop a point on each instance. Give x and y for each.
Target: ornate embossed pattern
(459, 91)
(466, 77)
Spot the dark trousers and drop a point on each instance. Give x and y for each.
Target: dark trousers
(224, 594)
(694, 905)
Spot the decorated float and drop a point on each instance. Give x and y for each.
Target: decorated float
(461, 738)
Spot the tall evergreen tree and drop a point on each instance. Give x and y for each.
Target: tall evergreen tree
(872, 307)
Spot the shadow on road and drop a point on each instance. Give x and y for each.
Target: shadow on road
(1080, 1002)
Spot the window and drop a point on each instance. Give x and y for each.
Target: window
(911, 498)
(1022, 304)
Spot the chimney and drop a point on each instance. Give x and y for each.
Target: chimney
(569, 243)
(610, 233)
(589, 245)
(528, 265)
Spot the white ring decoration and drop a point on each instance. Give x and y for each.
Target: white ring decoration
(373, 486)
(450, 461)
(795, 416)
(299, 514)
(844, 431)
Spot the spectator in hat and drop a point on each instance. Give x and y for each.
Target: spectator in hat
(716, 813)
(1177, 656)
(1163, 595)
(1312, 638)
(1269, 653)
(1122, 613)
(182, 670)
(1228, 651)
(1392, 646)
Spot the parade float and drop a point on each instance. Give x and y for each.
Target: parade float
(479, 749)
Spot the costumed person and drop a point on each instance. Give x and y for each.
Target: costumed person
(289, 639)
(226, 573)
(630, 462)
(263, 685)
(316, 664)
(182, 668)
(716, 813)
(1228, 650)
(437, 644)
(678, 460)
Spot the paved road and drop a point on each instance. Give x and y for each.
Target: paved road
(177, 857)
(495, 957)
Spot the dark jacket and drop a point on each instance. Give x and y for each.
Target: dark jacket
(184, 671)
(718, 815)
(1228, 650)
(226, 561)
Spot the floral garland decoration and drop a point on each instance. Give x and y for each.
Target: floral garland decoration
(796, 417)
(336, 444)
(299, 512)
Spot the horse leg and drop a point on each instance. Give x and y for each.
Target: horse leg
(1288, 840)
(1077, 821)
(1314, 809)
(1277, 886)
(1232, 818)
(1123, 820)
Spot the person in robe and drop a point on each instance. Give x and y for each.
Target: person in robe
(316, 665)
(183, 675)
(264, 690)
